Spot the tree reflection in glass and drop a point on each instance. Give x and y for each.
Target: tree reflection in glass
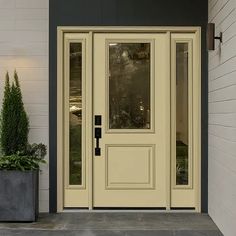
(182, 154)
(75, 177)
(129, 85)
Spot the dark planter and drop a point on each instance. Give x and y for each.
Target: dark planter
(19, 195)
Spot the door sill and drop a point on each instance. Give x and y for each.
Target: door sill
(110, 210)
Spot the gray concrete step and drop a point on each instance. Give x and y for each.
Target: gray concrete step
(115, 223)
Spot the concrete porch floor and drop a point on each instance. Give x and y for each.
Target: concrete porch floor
(115, 223)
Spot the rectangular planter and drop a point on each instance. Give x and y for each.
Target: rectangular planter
(19, 195)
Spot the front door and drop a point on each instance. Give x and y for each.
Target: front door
(131, 85)
(128, 118)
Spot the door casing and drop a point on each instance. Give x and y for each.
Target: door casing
(60, 123)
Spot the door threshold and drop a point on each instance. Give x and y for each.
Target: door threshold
(79, 210)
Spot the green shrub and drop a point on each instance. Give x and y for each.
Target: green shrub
(14, 120)
(15, 151)
(30, 159)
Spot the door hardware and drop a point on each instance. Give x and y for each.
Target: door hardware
(98, 120)
(98, 135)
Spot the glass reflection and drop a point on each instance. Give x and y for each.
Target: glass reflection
(75, 165)
(129, 85)
(182, 155)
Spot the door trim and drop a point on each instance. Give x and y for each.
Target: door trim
(60, 70)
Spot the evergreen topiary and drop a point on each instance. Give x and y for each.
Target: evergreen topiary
(5, 112)
(14, 120)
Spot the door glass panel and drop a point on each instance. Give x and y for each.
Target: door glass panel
(129, 86)
(182, 153)
(75, 137)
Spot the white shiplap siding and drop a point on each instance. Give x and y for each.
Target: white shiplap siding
(24, 47)
(222, 118)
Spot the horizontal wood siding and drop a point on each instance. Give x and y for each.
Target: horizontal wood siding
(222, 118)
(24, 47)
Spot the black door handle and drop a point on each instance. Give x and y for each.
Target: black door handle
(98, 135)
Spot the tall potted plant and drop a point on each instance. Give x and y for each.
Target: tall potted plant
(19, 160)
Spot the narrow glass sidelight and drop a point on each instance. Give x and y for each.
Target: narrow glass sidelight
(129, 85)
(75, 117)
(182, 119)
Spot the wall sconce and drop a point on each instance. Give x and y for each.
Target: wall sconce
(211, 36)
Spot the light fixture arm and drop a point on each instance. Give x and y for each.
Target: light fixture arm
(219, 37)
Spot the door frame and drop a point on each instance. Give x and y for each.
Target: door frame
(60, 100)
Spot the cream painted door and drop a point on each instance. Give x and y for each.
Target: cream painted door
(132, 95)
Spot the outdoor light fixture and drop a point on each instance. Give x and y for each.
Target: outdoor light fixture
(211, 36)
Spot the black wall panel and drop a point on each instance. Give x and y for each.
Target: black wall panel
(124, 13)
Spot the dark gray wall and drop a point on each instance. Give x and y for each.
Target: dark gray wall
(125, 13)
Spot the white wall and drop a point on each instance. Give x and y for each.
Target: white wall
(24, 47)
(222, 118)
